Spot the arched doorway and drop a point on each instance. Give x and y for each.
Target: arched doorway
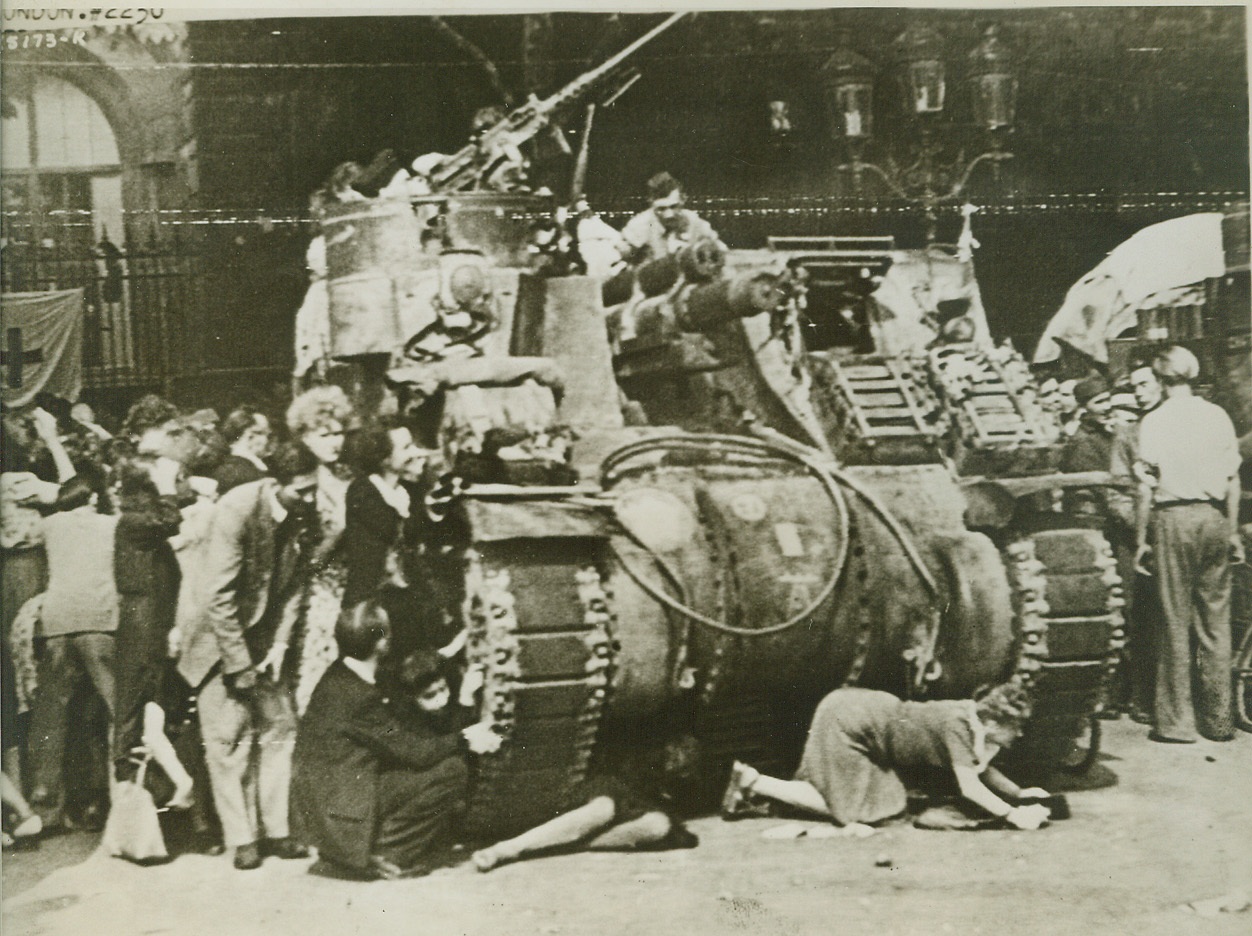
(62, 206)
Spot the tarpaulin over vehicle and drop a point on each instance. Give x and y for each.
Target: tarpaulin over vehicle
(1162, 265)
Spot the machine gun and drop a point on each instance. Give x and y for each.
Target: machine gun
(466, 168)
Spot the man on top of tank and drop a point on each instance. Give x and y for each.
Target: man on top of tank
(666, 226)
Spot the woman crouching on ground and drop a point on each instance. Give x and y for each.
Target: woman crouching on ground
(861, 738)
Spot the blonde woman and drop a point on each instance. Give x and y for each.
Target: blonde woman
(860, 738)
(318, 420)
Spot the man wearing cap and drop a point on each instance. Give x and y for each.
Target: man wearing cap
(1189, 464)
(1143, 604)
(1090, 448)
(233, 654)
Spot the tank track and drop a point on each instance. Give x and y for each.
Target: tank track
(540, 623)
(1067, 599)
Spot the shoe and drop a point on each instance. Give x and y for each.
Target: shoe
(388, 871)
(681, 837)
(286, 848)
(1218, 737)
(485, 859)
(1140, 717)
(329, 869)
(204, 843)
(1164, 739)
(678, 836)
(735, 798)
(1112, 713)
(29, 827)
(248, 857)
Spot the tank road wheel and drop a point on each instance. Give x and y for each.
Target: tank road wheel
(1067, 602)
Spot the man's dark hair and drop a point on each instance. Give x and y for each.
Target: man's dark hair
(240, 420)
(359, 629)
(371, 445)
(77, 491)
(661, 184)
(151, 411)
(134, 477)
(289, 461)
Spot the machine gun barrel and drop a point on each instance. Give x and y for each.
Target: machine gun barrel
(466, 167)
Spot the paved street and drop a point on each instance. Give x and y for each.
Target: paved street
(1162, 833)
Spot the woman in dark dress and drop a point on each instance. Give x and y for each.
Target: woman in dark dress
(860, 738)
(381, 513)
(147, 576)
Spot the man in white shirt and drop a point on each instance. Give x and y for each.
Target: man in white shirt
(1188, 465)
(666, 226)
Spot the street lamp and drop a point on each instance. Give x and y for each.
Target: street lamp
(848, 78)
(995, 87)
(919, 50)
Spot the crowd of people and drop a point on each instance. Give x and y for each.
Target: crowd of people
(1173, 522)
(192, 564)
(257, 617)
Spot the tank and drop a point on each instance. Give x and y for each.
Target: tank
(676, 528)
(914, 410)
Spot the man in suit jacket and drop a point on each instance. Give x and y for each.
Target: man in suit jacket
(235, 653)
(376, 794)
(247, 432)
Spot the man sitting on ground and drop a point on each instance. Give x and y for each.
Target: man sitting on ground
(376, 795)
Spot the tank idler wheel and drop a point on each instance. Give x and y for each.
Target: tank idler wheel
(1082, 759)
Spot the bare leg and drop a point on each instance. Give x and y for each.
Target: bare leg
(11, 764)
(648, 828)
(798, 793)
(163, 753)
(13, 798)
(565, 829)
(29, 823)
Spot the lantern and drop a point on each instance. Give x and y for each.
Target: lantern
(995, 87)
(919, 49)
(850, 85)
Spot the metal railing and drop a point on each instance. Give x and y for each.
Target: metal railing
(140, 303)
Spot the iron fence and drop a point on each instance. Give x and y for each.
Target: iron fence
(140, 302)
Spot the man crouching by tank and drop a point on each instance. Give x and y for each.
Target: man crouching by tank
(378, 795)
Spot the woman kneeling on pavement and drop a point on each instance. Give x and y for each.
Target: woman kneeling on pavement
(861, 738)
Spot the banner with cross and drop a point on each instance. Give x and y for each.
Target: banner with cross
(41, 345)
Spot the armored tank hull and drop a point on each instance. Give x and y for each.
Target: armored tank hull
(685, 582)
